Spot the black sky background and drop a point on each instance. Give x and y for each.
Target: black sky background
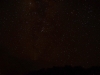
(38, 34)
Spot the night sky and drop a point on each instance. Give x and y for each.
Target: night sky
(38, 34)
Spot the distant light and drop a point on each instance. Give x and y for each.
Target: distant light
(30, 3)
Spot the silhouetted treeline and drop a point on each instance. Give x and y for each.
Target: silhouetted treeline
(67, 70)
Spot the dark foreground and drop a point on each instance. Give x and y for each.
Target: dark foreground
(68, 70)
